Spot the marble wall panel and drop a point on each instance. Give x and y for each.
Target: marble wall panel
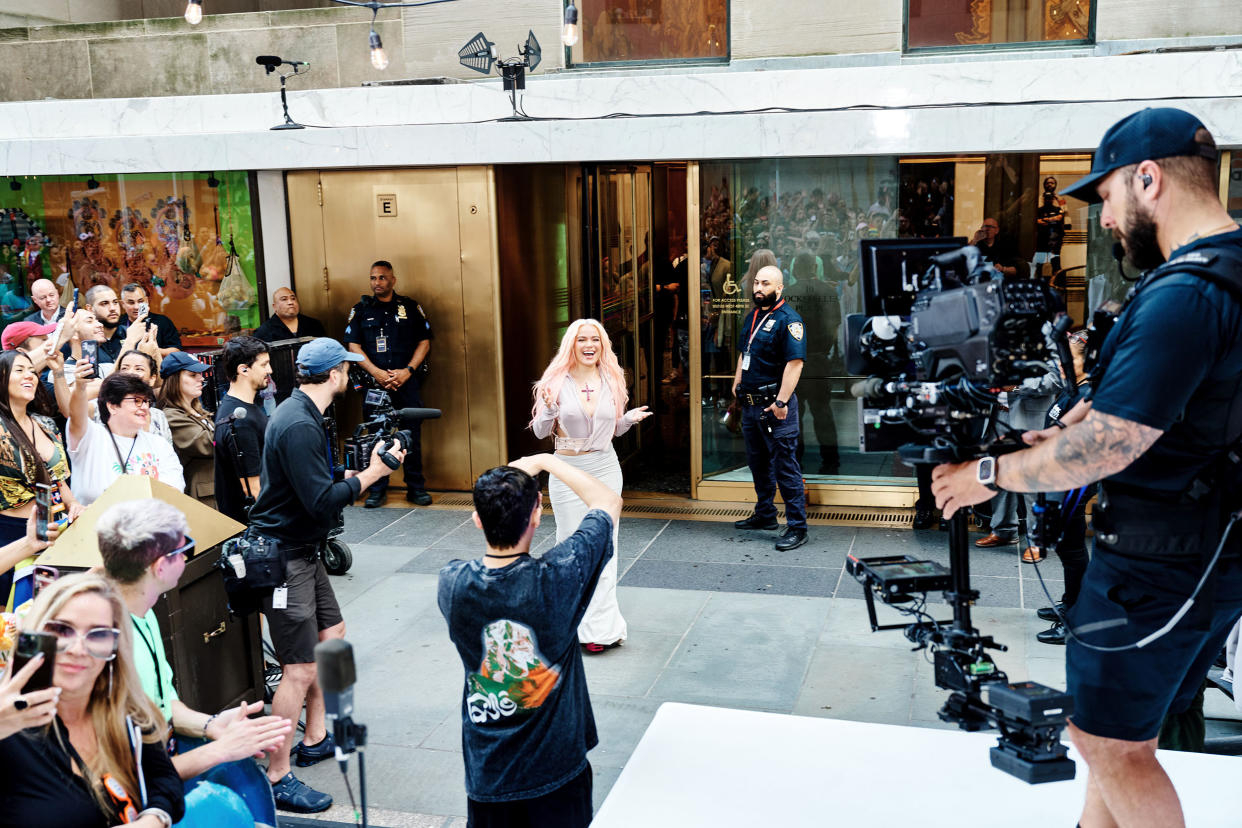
(231, 58)
(780, 28)
(132, 67)
(433, 34)
(26, 76)
(1129, 19)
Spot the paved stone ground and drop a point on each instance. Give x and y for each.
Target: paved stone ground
(715, 617)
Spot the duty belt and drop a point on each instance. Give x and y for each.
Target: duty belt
(764, 395)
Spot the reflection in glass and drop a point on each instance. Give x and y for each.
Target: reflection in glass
(651, 30)
(932, 23)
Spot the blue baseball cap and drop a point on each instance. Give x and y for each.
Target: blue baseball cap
(322, 354)
(1148, 135)
(180, 361)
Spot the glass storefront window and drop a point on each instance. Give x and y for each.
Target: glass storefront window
(934, 24)
(187, 238)
(807, 217)
(615, 31)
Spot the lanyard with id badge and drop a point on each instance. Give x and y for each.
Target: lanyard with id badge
(756, 325)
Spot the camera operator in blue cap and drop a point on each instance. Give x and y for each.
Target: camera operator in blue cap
(1161, 428)
(298, 504)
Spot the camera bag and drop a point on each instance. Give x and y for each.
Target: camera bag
(252, 565)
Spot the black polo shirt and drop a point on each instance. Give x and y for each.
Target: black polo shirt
(779, 336)
(1173, 362)
(167, 335)
(275, 329)
(247, 431)
(300, 501)
(398, 325)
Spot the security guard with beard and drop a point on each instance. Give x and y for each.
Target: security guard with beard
(773, 348)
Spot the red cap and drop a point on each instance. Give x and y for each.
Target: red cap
(17, 333)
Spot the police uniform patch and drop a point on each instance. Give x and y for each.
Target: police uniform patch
(352, 311)
(795, 330)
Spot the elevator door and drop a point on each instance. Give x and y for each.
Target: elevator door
(436, 228)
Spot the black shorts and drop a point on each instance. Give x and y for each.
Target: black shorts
(311, 609)
(569, 806)
(1126, 695)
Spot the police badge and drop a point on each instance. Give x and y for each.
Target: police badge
(795, 330)
(401, 312)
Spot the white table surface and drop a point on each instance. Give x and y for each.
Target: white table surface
(716, 768)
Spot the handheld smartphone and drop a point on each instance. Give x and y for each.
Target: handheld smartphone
(43, 508)
(44, 576)
(28, 646)
(69, 311)
(90, 353)
(144, 310)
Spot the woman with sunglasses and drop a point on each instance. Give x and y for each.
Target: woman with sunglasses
(93, 754)
(118, 444)
(193, 430)
(32, 453)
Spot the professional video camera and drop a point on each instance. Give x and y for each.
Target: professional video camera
(383, 425)
(941, 336)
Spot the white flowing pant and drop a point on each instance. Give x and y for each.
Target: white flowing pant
(602, 623)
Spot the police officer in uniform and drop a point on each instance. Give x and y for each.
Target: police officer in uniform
(773, 349)
(393, 335)
(1162, 433)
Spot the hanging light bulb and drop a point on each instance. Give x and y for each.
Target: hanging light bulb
(379, 58)
(194, 12)
(569, 34)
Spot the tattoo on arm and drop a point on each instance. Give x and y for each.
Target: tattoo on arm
(1099, 446)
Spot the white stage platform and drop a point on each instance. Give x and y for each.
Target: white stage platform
(719, 768)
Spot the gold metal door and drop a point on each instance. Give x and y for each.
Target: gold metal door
(437, 228)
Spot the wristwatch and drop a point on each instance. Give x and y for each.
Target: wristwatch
(160, 814)
(985, 473)
(780, 404)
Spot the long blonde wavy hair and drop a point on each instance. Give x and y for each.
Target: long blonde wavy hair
(554, 375)
(112, 699)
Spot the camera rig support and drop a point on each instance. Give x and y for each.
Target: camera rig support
(938, 349)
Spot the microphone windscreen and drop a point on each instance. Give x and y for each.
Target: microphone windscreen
(268, 60)
(238, 414)
(334, 660)
(409, 415)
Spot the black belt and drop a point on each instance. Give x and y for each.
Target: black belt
(764, 395)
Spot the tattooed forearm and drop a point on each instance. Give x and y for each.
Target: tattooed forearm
(1099, 446)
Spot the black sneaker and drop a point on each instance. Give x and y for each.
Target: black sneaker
(923, 517)
(790, 539)
(1049, 614)
(306, 755)
(1053, 635)
(375, 499)
(756, 522)
(418, 497)
(292, 794)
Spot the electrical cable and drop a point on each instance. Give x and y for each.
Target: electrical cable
(1158, 634)
(794, 110)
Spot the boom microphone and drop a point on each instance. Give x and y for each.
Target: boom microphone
(869, 387)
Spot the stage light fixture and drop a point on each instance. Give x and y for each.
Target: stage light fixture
(92, 183)
(479, 54)
(212, 181)
(379, 58)
(14, 184)
(569, 34)
(194, 12)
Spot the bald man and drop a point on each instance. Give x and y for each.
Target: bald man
(287, 321)
(47, 299)
(772, 343)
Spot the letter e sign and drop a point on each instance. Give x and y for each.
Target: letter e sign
(386, 205)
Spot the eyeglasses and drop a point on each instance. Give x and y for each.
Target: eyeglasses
(184, 549)
(100, 642)
(139, 402)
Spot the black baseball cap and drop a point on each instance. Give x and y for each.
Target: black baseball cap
(1148, 135)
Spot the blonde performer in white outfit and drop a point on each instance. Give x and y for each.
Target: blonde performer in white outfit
(580, 400)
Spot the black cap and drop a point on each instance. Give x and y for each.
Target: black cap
(1143, 136)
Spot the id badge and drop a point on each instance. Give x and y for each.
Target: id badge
(381, 344)
(746, 361)
(280, 598)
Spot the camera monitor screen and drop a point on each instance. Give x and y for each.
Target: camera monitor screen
(890, 270)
